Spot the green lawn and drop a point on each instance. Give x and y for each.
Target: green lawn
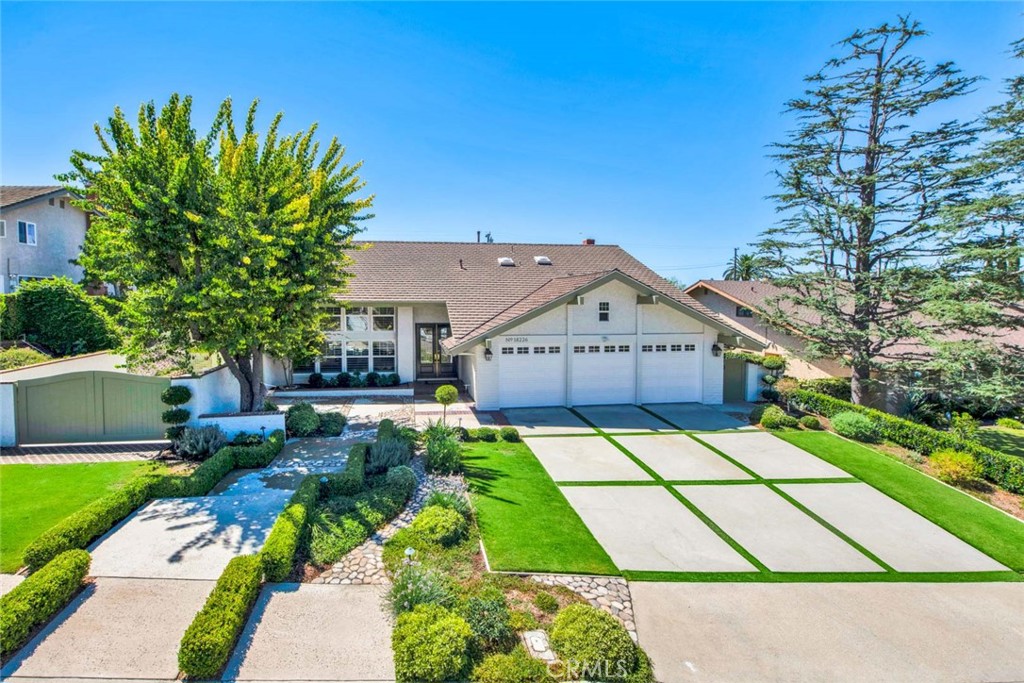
(35, 497)
(526, 522)
(987, 529)
(1009, 441)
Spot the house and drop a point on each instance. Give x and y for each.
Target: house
(40, 234)
(527, 325)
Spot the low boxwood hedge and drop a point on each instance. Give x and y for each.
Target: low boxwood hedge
(353, 479)
(1002, 469)
(97, 518)
(36, 599)
(431, 644)
(278, 554)
(210, 638)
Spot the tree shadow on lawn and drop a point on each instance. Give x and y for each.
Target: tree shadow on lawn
(482, 479)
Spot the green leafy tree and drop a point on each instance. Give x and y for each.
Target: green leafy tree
(748, 267)
(446, 394)
(864, 182)
(228, 243)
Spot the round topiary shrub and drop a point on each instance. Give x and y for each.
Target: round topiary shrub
(770, 379)
(515, 667)
(402, 478)
(332, 424)
(487, 434)
(175, 395)
(439, 525)
(774, 417)
(510, 434)
(316, 380)
(955, 467)
(855, 426)
(773, 363)
(175, 416)
(810, 422)
(589, 639)
(301, 420)
(431, 644)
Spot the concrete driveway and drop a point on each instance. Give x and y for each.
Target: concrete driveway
(832, 632)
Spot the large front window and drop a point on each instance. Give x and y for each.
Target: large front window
(357, 319)
(357, 354)
(384, 356)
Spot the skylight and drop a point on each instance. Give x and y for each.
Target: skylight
(542, 260)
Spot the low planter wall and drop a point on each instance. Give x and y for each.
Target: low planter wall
(234, 423)
(343, 393)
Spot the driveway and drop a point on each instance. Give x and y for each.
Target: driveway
(833, 632)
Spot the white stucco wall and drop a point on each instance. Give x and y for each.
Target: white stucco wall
(621, 316)
(406, 343)
(275, 372)
(485, 379)
(103, 361)
(251, 423)
(753, 387)
(8, 419)
(714, 370)
(216, 391)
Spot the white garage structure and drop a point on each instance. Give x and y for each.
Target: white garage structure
(526, 325)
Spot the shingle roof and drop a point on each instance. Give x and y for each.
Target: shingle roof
(16, 194)
(480, 294)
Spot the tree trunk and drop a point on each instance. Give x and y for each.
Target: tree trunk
(860, 383)
(248, 370)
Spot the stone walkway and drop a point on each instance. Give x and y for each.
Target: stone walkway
(68, 454)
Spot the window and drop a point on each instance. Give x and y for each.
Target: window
(3, 229)
(540, 349)
(357, 319)
(305, 365)
(579, 349)
(603, 308)
(507, 350)
(691, 347)
(383, 356)
(744, 312)
(554, 349)
(610, 348)
(676, 347)
(27, 233)
(646, 348)
(624, 348)
(658, 348)
(522, 350)
(357, 356)
(384, 319)
(332, 320)
(332, 359)
(594, 349)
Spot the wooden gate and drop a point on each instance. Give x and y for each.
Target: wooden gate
(90, 406)
(735, 379)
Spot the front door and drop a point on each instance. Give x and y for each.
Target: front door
(432, 361)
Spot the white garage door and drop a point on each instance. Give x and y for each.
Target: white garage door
(670, 369)
(531, 375)
(603, 374)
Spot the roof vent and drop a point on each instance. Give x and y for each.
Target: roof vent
(506, 261)
(542, 260)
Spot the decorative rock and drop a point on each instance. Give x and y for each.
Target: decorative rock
(609, 593)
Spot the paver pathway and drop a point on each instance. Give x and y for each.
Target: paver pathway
(66, 454)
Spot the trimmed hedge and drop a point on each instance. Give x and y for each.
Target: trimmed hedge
(58, 314)
(36, 599)
(210, 638)
(278, 554)
(431, 644)
(353, 479)
(1005, 470)
(97, 518)
(596, 644)
(333, 535)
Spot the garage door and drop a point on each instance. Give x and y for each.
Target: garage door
(670, 369)
(603, 374)
(531, 374)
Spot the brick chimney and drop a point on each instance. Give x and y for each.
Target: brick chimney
(590, 241)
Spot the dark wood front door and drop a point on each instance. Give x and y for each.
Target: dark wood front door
(432, 361)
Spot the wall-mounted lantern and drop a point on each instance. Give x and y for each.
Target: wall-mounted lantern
(716, 350)
(488, 354)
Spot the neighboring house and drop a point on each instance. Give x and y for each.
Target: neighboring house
(527, 325)
(740, 301)
(40, 234)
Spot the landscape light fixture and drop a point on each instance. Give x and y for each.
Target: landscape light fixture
(488, 354)
(716, 350)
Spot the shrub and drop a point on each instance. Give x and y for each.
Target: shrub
(964, 426)
(521, 620)
(516, 666)
(774, 417)
(78, 529)
(487, 434)
(836, 387)
(333, 534)
(440, 430)
(773, 363)
(36, 599)
(545, 602)
(855, 426)
(210, 638)
(810, 422)
(316, 380)
(1009, 423)
(301, 420)
(332, 424)
(770, 394)
(439, 525)
(769, 380)
(289, 530)
(488, 619)
(373, 379)
(269, 406)
(955, 467)
(259, 454)
(353, 479)
(591, 640)
(175, 416)
(510, 434)
(198, 443)
(443, 455)
(386, 429)
(452, 501)
(756, 413)
(446, 394)
(19, 358)
(175, 395)
(174, 433)
(387, 453)
(58, 314)
(246, 439)
(414, 585)
(402, 478)
(431, 644)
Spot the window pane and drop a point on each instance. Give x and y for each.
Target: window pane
(507, 350)
(624, 349)
(330, 364)
(554, 349)
(609, 349)
(383, 348)
(384, 310)
(302, 365)
(540, 349)
(383, 364)
(383, 323)
(357, 323)
(358, 364)
(332, 321)
(594, 349)
(357, 348)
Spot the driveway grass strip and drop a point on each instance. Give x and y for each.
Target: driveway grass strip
(822, 577)
(525, 521)
(989, 530)
(709, 482)
(659, 417)
(732, 460)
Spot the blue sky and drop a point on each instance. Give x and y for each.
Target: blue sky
(644, 125)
